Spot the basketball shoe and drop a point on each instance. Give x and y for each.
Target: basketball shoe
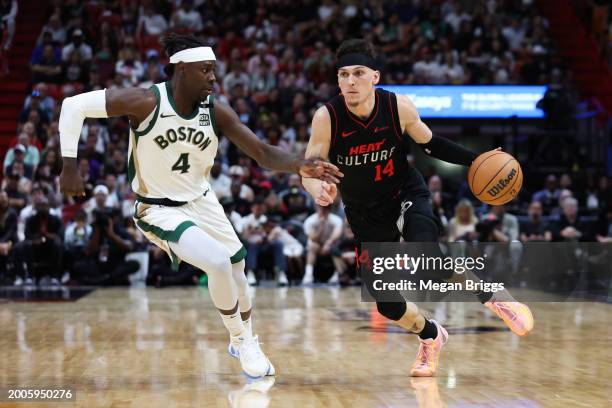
(254, 362)
(429, 352)
(516, 315)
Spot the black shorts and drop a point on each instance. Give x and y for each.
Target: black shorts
(411, 219)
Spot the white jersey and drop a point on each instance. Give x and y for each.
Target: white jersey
(170, 155)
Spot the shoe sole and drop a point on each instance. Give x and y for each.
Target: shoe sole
(269, 372)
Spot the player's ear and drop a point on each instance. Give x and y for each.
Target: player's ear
(376, 78)
(180, 67)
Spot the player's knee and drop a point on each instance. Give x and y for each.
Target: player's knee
(392, 310)
(218, 265)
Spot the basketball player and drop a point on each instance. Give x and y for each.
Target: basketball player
(364, 131)
(174, 134)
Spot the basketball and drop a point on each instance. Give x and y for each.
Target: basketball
(495, 177)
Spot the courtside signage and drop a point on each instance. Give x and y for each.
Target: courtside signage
(463, 101)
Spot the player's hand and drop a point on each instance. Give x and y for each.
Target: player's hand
(326, 194)
(71, 182)
(320, 169)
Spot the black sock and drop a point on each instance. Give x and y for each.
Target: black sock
(430, 331)
(484, 297)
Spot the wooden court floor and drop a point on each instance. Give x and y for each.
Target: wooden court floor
(167, 348)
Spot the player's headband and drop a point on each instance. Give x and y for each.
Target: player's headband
(356, 59)
(193, 55)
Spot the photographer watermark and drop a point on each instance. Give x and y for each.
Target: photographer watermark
(462, 271)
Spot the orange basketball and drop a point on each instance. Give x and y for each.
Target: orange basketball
(495, 177)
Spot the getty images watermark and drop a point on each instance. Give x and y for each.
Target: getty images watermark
(461, 271)
(428, 265)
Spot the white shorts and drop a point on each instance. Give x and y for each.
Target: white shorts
(163, 224)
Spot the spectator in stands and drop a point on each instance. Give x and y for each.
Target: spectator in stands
(324, 230)
(438, 210)
(253, 232)
(292, 248)
(236, 77)
(113, 200)
(47, 68)
(104, 259)
(535, 229)
(78, 44)
(221, 183)
(17, 200)
(187, 18)
(549, 195)
(43, 102)
(46, 39)
(264, 80)
(74, 69)
(509, 222)
(42, 247)
(462, 227)
(97, 202)
(296, 201)
(18, 157)
(261, 57)
(558, 210)
(435, 186)
(150, 23)
(55, 30)
(76, 239)
(569, 227)
(8, 13)
(8, 232)
(130, 67)
(37, 195)
(117, 164)
(31, 156)
(565, 182)
(41, 119)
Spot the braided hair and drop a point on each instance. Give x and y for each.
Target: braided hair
(173, 43)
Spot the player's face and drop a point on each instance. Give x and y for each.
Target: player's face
(356, 83)
(202, 78)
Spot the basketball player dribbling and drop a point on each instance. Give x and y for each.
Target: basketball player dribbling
(173, 142)
(363, 131)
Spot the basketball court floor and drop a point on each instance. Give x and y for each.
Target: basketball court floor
(127, 347)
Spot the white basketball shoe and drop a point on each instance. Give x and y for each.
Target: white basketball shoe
(254, 362)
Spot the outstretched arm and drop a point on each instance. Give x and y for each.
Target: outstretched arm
(136, 103)
(318, 148)
(268, 156)
(434, 146)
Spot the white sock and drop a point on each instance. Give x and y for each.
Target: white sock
(309, 270)
(247, 326)
(234, 324)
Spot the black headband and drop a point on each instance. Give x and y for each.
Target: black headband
(356, 59)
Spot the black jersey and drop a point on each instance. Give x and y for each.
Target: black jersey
(372, 153)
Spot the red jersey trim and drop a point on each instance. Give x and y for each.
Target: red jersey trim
(397, 133)
(359, 121)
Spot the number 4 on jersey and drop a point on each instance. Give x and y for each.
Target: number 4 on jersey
(388, 171)
(182, 164)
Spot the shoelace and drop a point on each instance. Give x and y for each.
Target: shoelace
(253, 344)
(424, 354)
(503, 307)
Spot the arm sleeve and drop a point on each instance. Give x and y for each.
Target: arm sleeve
(74, 111)
(448, 151)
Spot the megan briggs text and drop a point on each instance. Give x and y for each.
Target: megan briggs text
(438, 286)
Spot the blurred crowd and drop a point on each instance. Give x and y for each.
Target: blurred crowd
(275, 66)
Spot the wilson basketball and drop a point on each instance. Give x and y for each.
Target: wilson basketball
(495, 177)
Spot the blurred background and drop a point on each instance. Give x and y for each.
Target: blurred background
(548, 100)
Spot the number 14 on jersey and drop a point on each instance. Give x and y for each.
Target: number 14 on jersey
(388, 171)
